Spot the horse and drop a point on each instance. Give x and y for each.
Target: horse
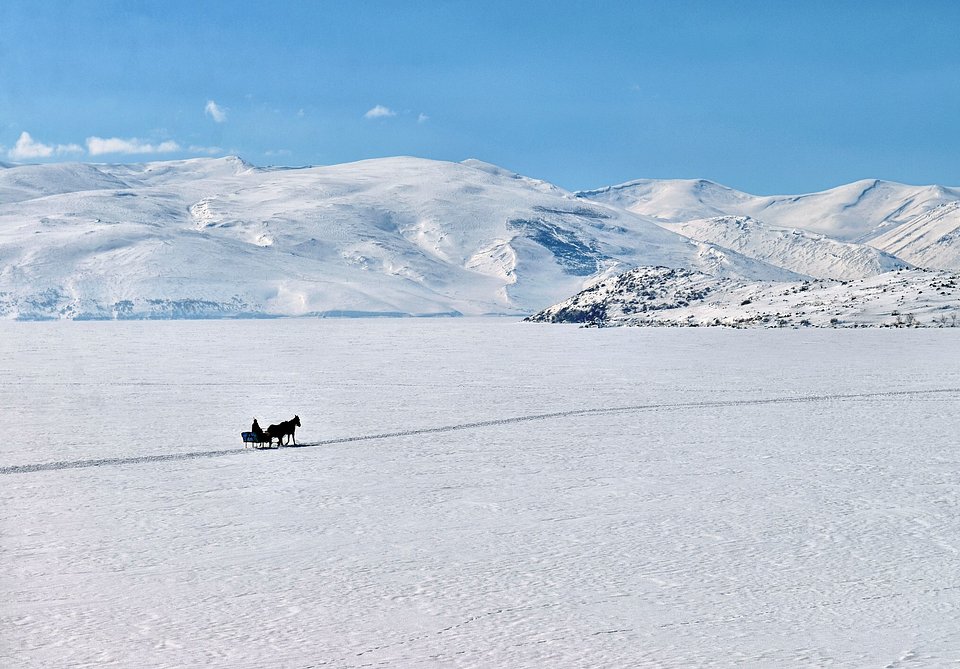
(287, 427)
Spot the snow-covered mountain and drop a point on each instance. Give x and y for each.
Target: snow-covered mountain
(931, 239)
(862, 211)
(814, 234)
(673, 200)
(219, 237)
(209, 238)
(803, 252)
(662, 296)
(26, 182)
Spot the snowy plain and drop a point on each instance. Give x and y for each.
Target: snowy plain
(478, 493)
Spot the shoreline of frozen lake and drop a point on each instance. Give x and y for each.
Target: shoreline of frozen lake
(784, 497)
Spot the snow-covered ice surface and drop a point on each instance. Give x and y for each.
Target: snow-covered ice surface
(686, 497)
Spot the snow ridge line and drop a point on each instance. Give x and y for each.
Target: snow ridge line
(800, 399)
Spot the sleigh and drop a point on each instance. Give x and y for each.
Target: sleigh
(257, 442)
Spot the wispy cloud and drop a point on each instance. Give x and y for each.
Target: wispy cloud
(422, 118)
(215, 111)
(98, 146)
(380, 112)
(27, 148)
(207, 150)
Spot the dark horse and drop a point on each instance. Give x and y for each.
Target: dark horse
(287, 427)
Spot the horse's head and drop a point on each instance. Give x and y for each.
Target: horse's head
(296, 421)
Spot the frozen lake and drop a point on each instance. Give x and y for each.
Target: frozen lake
(538, 495)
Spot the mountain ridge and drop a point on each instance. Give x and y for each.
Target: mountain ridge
(401, 235)
(858, 212)
(220, 237)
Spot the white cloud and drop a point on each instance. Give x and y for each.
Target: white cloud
(97, 146)
(28, 148)
(380, 112)
(215, 111)
(277, 152)
(423, 118)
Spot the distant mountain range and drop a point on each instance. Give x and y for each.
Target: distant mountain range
(866, 212)
(220, 238)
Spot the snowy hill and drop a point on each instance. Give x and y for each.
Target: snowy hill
(673, 200)
(214, 238)
(27, 182)
(221, 238)
(803, 252)
(856, 212)
(674, 297)
(931, 239)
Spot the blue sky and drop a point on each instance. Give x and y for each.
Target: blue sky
(767, 97)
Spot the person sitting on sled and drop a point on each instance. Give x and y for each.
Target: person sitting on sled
(257, 432)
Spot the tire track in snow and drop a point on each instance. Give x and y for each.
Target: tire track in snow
(800, 399)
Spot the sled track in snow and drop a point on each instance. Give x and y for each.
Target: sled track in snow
(800, 399)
